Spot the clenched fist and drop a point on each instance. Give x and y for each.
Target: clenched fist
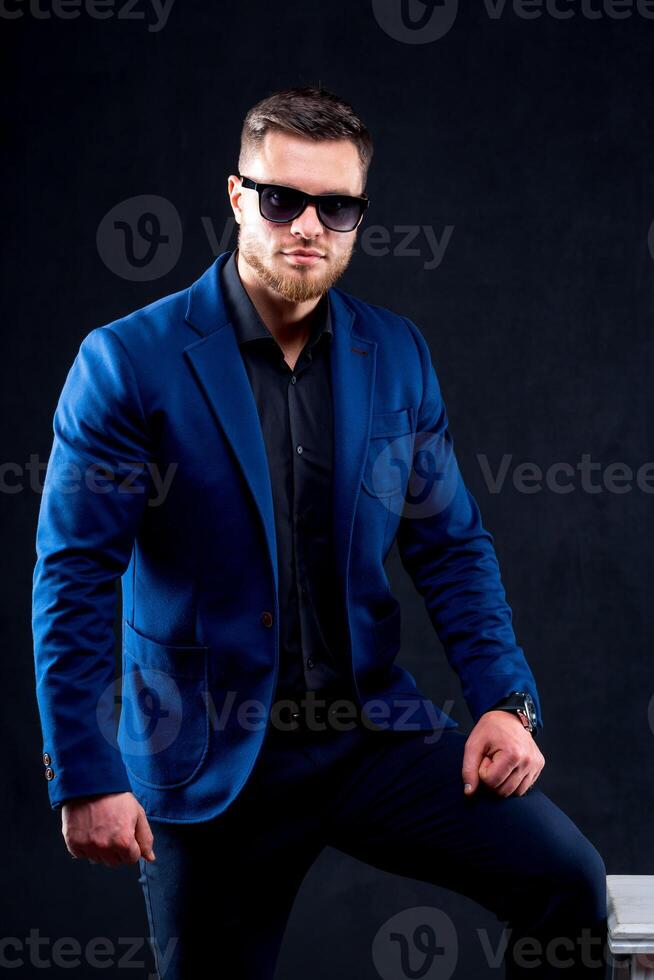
(110, 829)
(502, 754)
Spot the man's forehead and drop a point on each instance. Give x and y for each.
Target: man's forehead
(279, 161)
(301, 186)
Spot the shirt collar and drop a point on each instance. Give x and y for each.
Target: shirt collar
(247, 323)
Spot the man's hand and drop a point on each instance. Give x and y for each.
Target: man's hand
(502, 754)
(111, 829)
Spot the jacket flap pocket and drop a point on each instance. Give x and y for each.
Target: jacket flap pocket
(180, 661)
(391, 423)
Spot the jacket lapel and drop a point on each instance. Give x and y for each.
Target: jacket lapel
(218, 368)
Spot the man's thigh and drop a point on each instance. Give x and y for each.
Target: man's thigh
(219, 893)
(403, 809)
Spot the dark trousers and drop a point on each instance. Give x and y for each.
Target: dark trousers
(219, 893)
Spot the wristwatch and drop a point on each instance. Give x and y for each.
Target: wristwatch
(522, 704)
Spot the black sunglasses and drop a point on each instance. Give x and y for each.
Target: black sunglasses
(338, 212)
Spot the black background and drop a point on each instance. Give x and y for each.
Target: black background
(532, 139)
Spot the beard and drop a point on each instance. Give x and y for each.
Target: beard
(299, 286)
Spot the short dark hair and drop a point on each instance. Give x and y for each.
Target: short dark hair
(312, 112)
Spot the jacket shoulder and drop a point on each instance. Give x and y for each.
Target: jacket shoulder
(374, 317)
(151, 324)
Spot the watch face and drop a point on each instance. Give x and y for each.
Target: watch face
(531, 709)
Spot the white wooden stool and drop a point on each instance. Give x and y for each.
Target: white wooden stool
(630, 913)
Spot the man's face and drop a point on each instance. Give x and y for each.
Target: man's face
(328, 166)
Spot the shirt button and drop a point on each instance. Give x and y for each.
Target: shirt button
(300, 450)
(293, 379)
(310, 663)
(46, 759)
(266, 618)
(49, 773)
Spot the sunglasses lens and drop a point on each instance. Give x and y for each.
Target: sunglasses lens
(280, 203)
(340, 213)
(336, 211)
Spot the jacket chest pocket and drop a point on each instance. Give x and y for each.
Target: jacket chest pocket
(388, 463)
(163, 732)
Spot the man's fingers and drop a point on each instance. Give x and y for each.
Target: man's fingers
(144, 837)
(526, 783)
(134, 852)
(109, 829)
(500, 773)
(512, 776)
(472, 757)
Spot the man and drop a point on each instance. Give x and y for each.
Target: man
(243, 454)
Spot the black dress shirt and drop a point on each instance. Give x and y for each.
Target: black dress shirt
(295, 412)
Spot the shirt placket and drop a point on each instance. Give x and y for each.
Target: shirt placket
(318, 674)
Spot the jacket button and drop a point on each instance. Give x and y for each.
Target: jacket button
(49, 773)
(266, 618)
(46, 759)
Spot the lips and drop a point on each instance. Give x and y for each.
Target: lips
(303, 257)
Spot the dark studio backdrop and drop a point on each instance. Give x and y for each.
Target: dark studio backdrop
(512, 219)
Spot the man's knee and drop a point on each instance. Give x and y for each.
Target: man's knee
(582, 882)
(593, 874)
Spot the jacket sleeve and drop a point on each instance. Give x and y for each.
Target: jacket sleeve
(451, 560)
(96, 487)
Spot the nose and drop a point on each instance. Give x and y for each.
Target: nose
(307, 225)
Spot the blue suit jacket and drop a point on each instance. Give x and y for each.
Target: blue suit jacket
(158, 478)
